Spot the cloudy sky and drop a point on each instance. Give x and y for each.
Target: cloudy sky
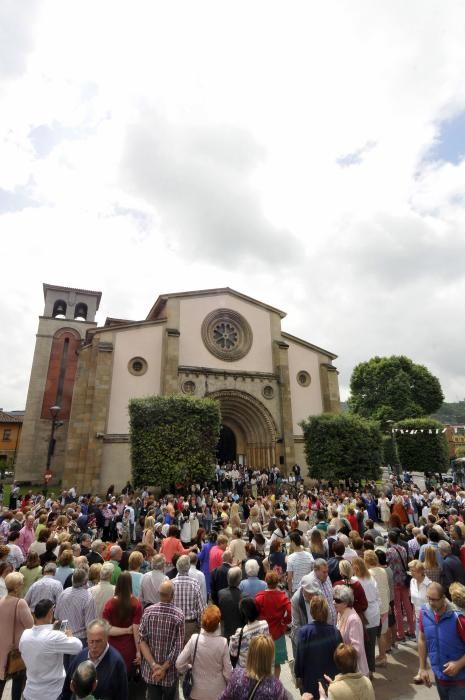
(311, 155)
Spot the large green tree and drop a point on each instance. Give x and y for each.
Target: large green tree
(422, 445)
(173, 439)
(342, 447)
(393, 388)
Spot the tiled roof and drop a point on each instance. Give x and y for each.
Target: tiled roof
(8, 418)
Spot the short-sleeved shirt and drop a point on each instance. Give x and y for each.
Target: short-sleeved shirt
(162, 628)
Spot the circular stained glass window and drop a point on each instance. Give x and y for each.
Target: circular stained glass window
(137, 366)
(303, 378)
(226, 334)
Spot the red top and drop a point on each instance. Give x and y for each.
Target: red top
(353, 521)
(275, 607)
(169, 546)
(216, 557)
(125, 643)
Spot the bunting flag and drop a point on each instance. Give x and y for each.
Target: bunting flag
(414, 431)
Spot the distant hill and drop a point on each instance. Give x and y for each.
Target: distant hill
(449, 413)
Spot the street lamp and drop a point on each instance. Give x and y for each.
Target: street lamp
(54, 410)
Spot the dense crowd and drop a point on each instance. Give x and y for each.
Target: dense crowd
(215, 586)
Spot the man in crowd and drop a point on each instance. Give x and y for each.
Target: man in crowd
(151, 581)
(320, 577)
(187, 597)
(228, 602)
(42, 649)
(95, 556)
(452, 569)
(299, 564)
(219, 576)
(104, 590)
(26, 535)
(76, 605)
(161, 635)
(198, 576)
(46, 588)
(112, 679)
(300, 604)
(333, 563)
(115, 557)
(442, 638)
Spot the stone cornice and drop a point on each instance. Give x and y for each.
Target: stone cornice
(185, 369)
(309, 345)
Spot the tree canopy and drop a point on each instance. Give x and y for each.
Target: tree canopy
(173, 439)
(426, 448)
(393, 388)
(342, 447)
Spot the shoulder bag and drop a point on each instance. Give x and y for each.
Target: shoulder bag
(408, 575)
(251, 695)
(188, 681)
(14, 660)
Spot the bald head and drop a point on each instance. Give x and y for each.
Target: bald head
(166, 591)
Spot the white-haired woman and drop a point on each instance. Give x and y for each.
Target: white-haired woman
(350, 625)
(252, 584)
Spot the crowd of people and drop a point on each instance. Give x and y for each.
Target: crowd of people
(214, 587)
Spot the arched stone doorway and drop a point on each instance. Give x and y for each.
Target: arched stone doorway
(252, 425)
(227, 450)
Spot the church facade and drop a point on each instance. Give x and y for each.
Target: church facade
(217, 343)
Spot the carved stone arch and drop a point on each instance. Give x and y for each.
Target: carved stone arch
(252, 423)
(66, 332)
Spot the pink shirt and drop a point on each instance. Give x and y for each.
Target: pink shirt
(25, 539)
(216, 557)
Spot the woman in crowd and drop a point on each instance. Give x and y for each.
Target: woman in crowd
(317, 640)
(432, 566)
(418, 585)
(380, 576)
(256, 679)
(15, 617)
(350, 625)
(348, 579)
(275, 607)
(208, 655)
(15, 554)
(240, 641)
(172, 544)
(457, 594)
(250, 585)
(5, 569)
(204, 554)
(317, 548)
(31, 572)
(276, 560)
(65, 565)
(237, 546)
(372, 615)
(124, 612)
(135, 562)
(94, 574)
(148, 535)
(39, 546)
(349, 683)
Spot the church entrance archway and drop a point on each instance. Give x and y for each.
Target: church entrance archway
(226, 450)
(252, 427)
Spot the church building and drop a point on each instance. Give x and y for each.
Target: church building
(215, 342)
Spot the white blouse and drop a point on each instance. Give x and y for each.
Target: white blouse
(418, 594)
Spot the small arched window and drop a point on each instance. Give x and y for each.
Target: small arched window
(59, 309)
(80, 312)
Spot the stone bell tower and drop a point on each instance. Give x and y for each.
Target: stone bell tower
(68, 315)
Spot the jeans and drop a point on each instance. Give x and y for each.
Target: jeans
(18, 683)
(402, 599)
(160, 692)
(450, 692)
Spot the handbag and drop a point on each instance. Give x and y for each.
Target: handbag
(408, 575)
(235, 658)
(14, 660)
(254, 690)
(188, 680)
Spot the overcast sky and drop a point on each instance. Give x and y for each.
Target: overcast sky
(311, 155)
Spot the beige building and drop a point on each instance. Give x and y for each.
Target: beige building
(217, 343)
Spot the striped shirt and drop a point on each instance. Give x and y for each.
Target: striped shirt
(327, 591)
(46, 588)
(162, 629)
(78, 607)
(188, 597)
(299, 564)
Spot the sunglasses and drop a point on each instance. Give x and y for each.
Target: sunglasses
(338, 600)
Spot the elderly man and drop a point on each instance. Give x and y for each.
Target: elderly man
(104, 590)
(452, 569)
(111, 670)
(228, 602)
(46, 588)
(252, 584)
(42, 649)
(76, 605)
(161, 634)
(26, 535)
(319, 576)
(97, 550)
(442, 637)
(188, 597)
(300, 604)
(116, 554)
(219, 576)
(151, 582)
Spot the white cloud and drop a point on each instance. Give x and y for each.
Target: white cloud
(206, 139)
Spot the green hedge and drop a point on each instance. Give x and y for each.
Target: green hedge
(173, 439)
(422, 451)
(342, 446)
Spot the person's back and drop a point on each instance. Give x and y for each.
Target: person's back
(351, 686)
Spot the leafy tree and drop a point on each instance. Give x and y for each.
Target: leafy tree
(342, 447)
(460, 451)
(424, 450)
(393, 388)
(173, 439)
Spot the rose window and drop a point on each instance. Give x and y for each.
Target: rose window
(226, 334)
